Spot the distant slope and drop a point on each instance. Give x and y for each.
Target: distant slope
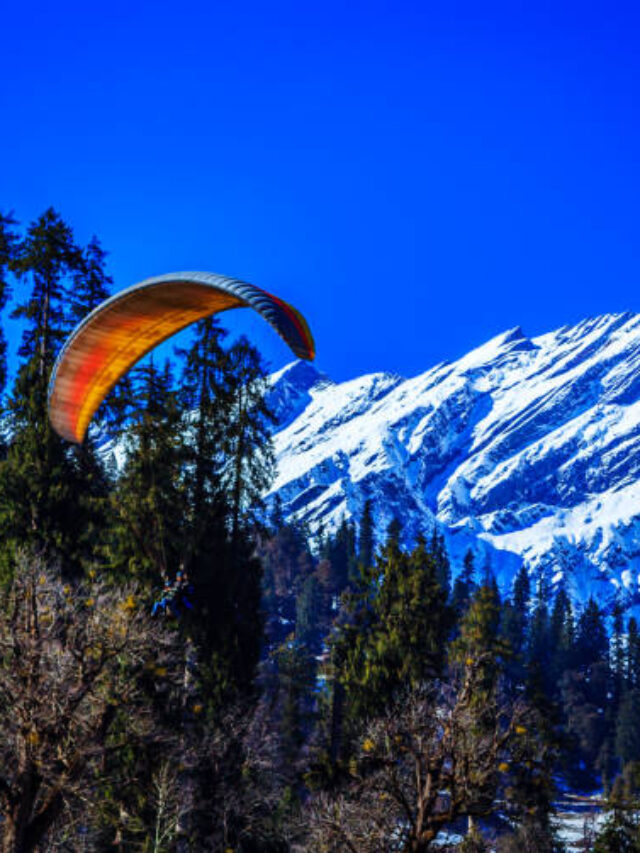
(524, 449)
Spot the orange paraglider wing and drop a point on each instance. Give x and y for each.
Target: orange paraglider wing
(125, 327)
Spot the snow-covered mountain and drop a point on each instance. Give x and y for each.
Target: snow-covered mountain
(525, 449)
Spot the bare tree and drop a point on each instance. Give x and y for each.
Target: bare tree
(434, 758)
(71, 659)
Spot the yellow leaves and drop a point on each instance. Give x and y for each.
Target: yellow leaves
(160, 670)
(198, 708)
(33, 738)
(92, 574)
(521, 730)
(42, 580)
(503, 766)
(90, 602)
(66, 589)
(469, 662)
(368, 745)
(129, 604)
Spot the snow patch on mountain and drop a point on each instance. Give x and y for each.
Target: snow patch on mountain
(526, 449)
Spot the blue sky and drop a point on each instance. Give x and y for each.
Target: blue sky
(415, 177)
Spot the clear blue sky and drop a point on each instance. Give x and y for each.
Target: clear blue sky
(415, 177)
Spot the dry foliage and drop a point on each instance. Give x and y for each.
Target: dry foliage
(71, 659)
(436, 757)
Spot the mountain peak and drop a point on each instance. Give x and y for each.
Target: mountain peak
(526, 451)
(290, 390)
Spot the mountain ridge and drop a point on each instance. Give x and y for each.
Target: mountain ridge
(524, 449)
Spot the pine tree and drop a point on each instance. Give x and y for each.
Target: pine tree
(148, 504)
(340, 551)
(309, 614)
(627, 734)
(584, 690)
(276, 519)
(561, 636)
(592, 643)
(439, 553)
(633, 653)
(206, 395)
(395, 637)
(9, 244)
(464, 584)
(228, 466)
(367, 541)
(515, 622)
(296, 680)
(480, 646)
(248, 446)
(519, 612)
(43, 493)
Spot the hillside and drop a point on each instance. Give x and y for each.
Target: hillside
(524, 449)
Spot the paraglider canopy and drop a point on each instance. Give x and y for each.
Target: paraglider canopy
(125, 327)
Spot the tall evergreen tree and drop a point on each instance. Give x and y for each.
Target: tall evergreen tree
(366, 541)
(42, 490)
(148, 504)
(249, 466)
(627, 733)
(464, 584)
(396, 635)
(9, 244)
(633, 653)
(439, 553)
(480, 646)
(561, 636)
(207, 395)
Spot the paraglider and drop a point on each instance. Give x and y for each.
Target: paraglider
(175, 597)
(125, 327)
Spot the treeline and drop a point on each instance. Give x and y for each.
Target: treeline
(329, 692)
(110, 719)
(423, 704)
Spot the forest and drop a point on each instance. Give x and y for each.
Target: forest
(182, 668)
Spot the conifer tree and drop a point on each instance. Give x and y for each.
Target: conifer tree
(9, 244)
(633, 653)
(206, 395)
(366, 542)
(584, 690)
(309, 614)
(515, 622)
(520, 602)
(248, 447)
(42, 489)
(464, 584)
(480, 645)
(439, 553)
(340, 551)
(396, 635)
(148, 504)
(561, 636)
(296, 680)
(228, 466)
(627, 733)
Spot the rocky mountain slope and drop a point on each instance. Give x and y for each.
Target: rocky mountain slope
(524, 449)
